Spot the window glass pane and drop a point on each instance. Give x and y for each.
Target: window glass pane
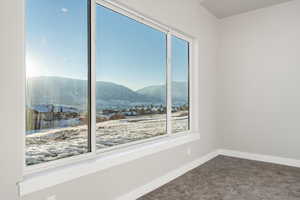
(56, 80)
(180, 85)
(131, 77)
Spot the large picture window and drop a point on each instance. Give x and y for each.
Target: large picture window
(57, 69)
(131, 79)
(98, 78)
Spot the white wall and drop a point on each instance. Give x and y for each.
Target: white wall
(259, 79)
(189, 17)
(11, 94)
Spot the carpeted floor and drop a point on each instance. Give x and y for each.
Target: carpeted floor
(226, 178)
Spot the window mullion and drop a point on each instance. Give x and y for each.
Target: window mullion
(93, 75)
(169, 83)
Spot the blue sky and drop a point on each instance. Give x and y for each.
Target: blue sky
(127, 52)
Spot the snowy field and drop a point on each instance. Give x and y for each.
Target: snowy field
(66, 142)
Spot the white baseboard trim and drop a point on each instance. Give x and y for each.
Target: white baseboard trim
(259, 157)
(167, 178)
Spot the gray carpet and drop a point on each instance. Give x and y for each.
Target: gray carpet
(226, 178)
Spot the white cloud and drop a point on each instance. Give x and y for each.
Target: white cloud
(64, 10)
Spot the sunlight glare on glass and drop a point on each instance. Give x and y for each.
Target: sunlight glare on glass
(32, 66)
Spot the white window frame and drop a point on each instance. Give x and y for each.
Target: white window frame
(125, 152)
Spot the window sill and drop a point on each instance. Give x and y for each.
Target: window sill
(41, 180)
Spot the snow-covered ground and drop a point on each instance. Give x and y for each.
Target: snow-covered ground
(66, 142)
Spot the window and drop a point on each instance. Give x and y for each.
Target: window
(57, 107)
(180, 85)
(131, 80)
(131, 85)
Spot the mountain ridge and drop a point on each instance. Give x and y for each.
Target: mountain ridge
(69, 91)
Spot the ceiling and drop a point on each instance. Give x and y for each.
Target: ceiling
(226, 8)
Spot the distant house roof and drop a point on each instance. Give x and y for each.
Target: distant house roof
(44, 108)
